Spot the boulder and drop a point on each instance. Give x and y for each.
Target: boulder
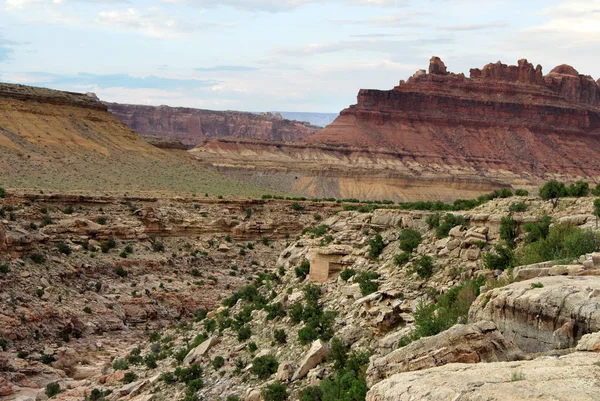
(317, 353)
(555, 316)
(285, 371)
(566, 378)
(589, 342)
(479, 342)
(195, 355)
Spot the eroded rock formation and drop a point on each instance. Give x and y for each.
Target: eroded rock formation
(192, 126)
(503, 125)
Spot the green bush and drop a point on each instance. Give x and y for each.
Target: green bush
(68, 210)
(129, 377)
(537, 230)
(553, 190)
(252, 346)
(274, 310)
(517, 207)
(120, 364)
(233, 398)
(409, 240)
(4, 269)
(2, 193)
(377, 246)
(424, 266)
(244, 333)
(450, 221)
(296, 312)
(303, 270)
(121, 272)
(218, 362)
(158, 246)
(210, 325)
(501, 258)
(338, 354)
(401, 259)
(597, 206)
(366, 283)
(433, 221)
(87, 309)
(537, 285)
(264, 366)
(578, 189)
(521, 192)
(52, 389)
(280, 336)
(347, 273)
(508, 229)
(596, 190)
(63, 248)
(562, 242)
(37, 258)
(275, 392)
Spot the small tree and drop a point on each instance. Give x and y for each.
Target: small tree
(552, 190)
(409, 240)
(597, 210)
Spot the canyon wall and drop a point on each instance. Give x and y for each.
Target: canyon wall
(192, 126)
(506, 125)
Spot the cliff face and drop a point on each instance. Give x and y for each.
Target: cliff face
(192, 126)
(438, 135)
(503, 117)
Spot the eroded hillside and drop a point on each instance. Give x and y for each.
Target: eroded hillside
(60, 141)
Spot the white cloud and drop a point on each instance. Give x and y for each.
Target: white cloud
(283, 5)
(151, 22)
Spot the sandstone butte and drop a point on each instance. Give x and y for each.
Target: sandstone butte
(439, 135)
(192, 126)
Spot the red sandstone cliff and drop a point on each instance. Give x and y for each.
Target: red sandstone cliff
(503, 117)
(192, 126)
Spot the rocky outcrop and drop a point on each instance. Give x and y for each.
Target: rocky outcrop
(192, 126)
(48, 96)
(564, 378)
(504, 117)
(479, 342)
(164, 142)
(552, 314)
(316, 354)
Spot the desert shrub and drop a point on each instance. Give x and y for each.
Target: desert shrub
(450, 221)
(302, 270)
(233, 398)
(68, 210)
(264, 366)
(537, 230)
(377, 246)
(4, 269)
(501, 258)
(120, 364)
(218, 362)
(129, 377)
(252, 346)
(401, 259)
(552, 190)
(423, 266)
(409, 240)
(52, 389)
(312, 393)
(347, 273)
(521, 192)
(108, 245)
(2, 193)
(597, 207)
(508, 229)
(37, 258)
(451, 308)
(338, 354)
(210, 325)
(275, 392)
(562, 242)
(63, 248)
(244, 333)
(517, 207)
(296, 312)
(367, 283)
(433, 221)
(87, 309)
(537, 285)
(158, 246)
(101, 220)
(275, 310)
(578, 189)
(150, 361)
(280, 336)
(318, 323)
(47, 359)
(119, 271)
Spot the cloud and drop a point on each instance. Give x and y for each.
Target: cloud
(227, 68)
(374, 45)
(397, 20)
(84, 80)
(152, 22)
(476, 27)
(274, 6)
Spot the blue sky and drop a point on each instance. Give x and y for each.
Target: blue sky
(294, 55)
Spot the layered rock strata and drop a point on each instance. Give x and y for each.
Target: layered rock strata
(192, 126)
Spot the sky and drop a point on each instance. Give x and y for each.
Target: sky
(288, 55)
